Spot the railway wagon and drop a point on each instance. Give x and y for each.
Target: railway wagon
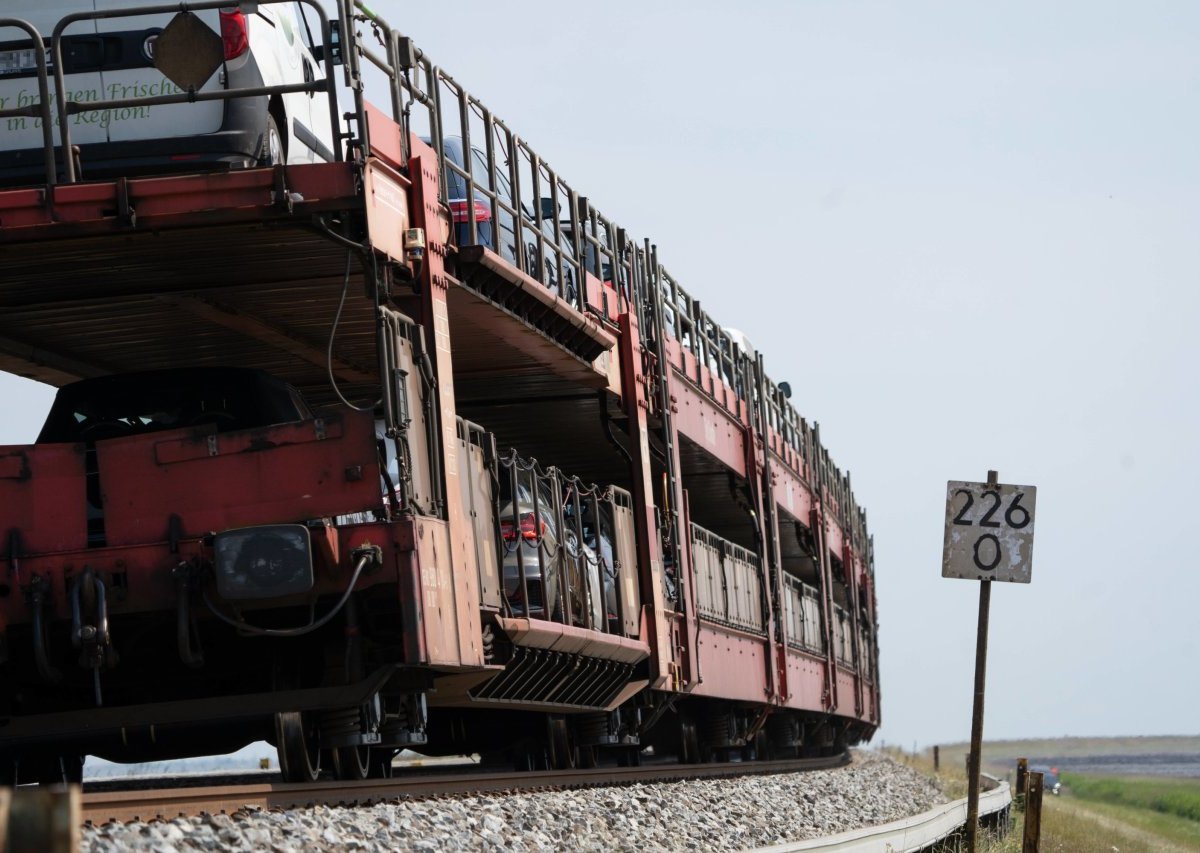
(412, 449)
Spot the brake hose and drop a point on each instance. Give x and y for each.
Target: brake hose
(256, 631)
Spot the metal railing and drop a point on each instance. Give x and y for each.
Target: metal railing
(558, 549)
(40, 110)
(843, 636)
(802, 615)
(728, 578)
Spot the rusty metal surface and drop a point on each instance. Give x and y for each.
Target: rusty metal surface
(166, 803)
(310, 469)
(260, 297)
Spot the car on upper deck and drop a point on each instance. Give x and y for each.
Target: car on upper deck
(497, 230)
(113, 58)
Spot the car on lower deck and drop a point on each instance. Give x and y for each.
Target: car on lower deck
(112, 58)
(542, 549)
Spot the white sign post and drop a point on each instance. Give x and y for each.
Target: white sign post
(989, 537)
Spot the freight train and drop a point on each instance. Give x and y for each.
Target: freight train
(413, 448)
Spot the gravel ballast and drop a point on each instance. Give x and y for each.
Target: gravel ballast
(722, 814)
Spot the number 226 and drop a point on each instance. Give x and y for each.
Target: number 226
(1016, 516)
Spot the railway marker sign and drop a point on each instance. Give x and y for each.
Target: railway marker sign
(989, 532)
(989, 537)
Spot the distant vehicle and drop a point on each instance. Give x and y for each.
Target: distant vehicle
(113, 58)
(1050, 781)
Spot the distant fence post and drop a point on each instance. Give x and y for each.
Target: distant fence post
(1022, 776)
(1033, 814)
(936, 760)
(46, 819)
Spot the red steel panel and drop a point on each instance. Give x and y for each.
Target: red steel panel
(149, 584)
(292, 472)
(833, 535)
(732, 665)
(385, 137)
(43, 495)
(386, 192)
(708, 425)
(806, 681)
(600, 296)
(847, 683)
(429, 574)
(664, 666)
(74, 209)
(791, 493)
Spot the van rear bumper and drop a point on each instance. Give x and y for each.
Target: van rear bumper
(236, 144)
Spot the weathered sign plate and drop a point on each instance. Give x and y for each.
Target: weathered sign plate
(989, 532)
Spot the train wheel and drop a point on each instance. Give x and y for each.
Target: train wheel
(689, 742)
(630, 756)
(560, 750)
(530, 757)
(298, 742)
(351, 762)
(381, 762)
(587, 757)
(764, 750)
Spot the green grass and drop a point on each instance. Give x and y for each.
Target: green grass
(1131, 814)
(1071, 825)
(1177, 797)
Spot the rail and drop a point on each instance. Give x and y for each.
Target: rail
(170, 802)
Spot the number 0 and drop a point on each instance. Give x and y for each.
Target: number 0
(995, 552)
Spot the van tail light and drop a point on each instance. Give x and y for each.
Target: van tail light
(528, 528)
(459, 212)
(234, 33)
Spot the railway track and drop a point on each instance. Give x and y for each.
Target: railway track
(144, 804)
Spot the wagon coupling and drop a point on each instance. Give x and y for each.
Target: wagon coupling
(88, 594)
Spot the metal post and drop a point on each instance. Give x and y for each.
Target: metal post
(973, 763)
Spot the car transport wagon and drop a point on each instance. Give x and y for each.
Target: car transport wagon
(334, 465)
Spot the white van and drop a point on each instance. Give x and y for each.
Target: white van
(112, 58)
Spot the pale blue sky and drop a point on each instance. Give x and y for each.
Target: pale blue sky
(966, 233)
